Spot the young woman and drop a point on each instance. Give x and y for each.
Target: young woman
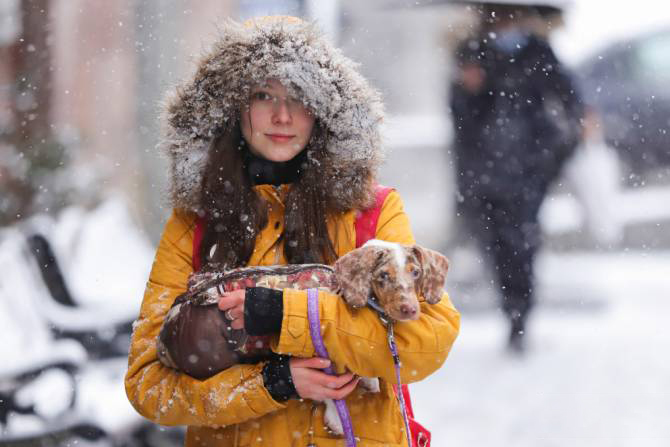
(274, 145)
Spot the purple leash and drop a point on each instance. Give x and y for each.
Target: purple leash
(320, 348)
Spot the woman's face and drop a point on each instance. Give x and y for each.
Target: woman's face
(275, 126)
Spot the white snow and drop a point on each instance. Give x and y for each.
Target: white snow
(593, 24)
(596, 373)
(410, 131)
(27, 340)
(100, 247)
(564, 213)
(106, 262)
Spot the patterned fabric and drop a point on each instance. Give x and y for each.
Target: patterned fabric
(195, 321)
(206, 287)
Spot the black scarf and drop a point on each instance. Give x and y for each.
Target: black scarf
(264, 172)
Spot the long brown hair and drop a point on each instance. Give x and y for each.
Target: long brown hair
(236, 214)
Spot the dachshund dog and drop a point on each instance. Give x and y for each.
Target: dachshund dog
(196, 337)
(396, 276)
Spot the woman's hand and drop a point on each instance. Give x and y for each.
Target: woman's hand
(232, 304)
(312, 383)
(472, 78)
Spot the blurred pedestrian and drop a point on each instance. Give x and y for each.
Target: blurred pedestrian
(275, 144)
(517, 117)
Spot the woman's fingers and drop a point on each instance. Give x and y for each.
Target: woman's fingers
(345, 390)
(313, 362)
(336, 382)
(312, 383)
(232, 304)
(237, 323)
(232, 299)
(337, 387)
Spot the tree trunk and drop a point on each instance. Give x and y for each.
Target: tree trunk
(34, 153)
(31, 102)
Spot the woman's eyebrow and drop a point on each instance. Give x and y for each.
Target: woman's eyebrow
(261, 85)
(263, 89)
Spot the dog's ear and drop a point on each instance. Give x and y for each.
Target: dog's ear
(354, 274)
(434, 267)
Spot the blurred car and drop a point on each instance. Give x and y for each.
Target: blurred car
(627, 83)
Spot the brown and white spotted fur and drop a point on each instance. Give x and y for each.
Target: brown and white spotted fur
(398, 276)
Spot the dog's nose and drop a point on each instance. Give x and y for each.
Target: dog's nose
(407, 310)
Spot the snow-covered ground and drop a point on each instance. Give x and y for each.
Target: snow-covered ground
(597, 372)
(105, 262)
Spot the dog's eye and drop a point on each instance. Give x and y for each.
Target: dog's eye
(416, 273)
(383, 276)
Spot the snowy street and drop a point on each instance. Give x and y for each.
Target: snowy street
(596, 374)
(142, 142)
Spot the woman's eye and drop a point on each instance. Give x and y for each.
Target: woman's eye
(294, 102)
(261, 96)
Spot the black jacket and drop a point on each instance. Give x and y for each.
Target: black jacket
(515, 133)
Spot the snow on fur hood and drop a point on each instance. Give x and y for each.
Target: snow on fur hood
(295, 53)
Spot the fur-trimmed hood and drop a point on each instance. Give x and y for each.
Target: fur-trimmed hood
(295, 53)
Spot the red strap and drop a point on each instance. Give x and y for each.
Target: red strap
(366, 229)
(408, 400)
(366, 221)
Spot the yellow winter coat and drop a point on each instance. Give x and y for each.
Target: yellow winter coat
(233, 408)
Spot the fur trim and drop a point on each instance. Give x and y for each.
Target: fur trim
(295, 53)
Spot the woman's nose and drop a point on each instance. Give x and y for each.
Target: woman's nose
(281, 112)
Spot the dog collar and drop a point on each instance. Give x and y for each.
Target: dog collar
(383, 316)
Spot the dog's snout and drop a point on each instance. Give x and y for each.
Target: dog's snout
(408, 311)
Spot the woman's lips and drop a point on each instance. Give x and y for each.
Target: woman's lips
(278, 138)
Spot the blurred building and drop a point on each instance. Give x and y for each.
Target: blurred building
(96, 71)
(106, 65)
(115, 60)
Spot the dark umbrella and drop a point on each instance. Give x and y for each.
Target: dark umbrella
(556, 5)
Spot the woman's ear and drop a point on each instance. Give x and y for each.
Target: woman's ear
(354, 275)
(434, 267)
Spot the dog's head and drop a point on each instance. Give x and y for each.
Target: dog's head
(395, 274)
